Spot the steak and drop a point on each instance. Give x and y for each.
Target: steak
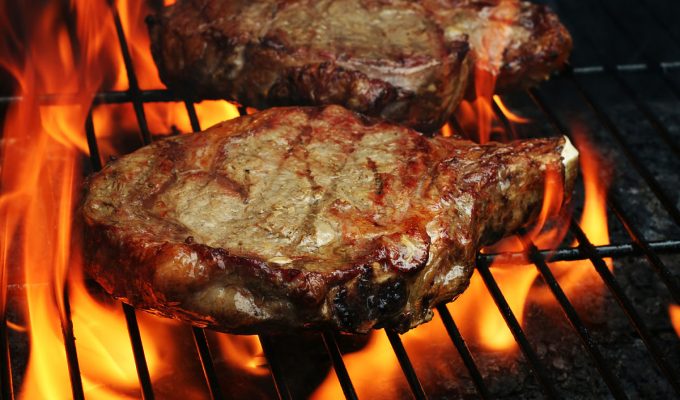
(308, 218)
(405, 61)
(518, 42)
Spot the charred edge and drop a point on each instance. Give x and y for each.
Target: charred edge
(366, 300)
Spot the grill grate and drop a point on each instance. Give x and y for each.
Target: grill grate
(638, 246)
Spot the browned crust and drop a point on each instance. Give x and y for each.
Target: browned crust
(240, 50)
(202, 57)
(462, 197)
(547, 50)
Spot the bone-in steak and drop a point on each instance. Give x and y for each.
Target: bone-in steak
(308, 217)
(404, 61)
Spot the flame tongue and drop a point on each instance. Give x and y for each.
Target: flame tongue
(674, 311)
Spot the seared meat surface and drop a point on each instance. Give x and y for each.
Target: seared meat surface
(307, 218)
(518, 42)
(405, 61)
(386, 59)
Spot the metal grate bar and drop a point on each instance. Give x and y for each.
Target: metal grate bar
(538, 370)
(672, 84)
(95, 157)
(574, 253)
(275, 368)
(200, 340)
(128, 311)
(70, 347)
(658, 126)
(650, 10)
(133, 84)
(138, 352)
(605, 370)
(638, 239)
(205, 358)
(463, 350)
(664, 273)
(601, 267)
(405, 364)
(339, 365)
(646, 175)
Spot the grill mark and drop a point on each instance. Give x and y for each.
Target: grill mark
(317, 207)
(379, 182)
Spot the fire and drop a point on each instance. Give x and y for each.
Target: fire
(362, 366)
(511, 116)
(45, 145)
(674, 312)
(447, 131)
(243, 352)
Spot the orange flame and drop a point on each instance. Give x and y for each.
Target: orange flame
(45, 144)
(674, 313)
(243, 352)
(511, 116)
(362, 366)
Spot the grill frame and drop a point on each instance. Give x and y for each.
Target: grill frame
(637, 247)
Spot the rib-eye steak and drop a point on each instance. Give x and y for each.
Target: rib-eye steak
(519, 42)
(404, 61)
(381, 58)
(308, 218)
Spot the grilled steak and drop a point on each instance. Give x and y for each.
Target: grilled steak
(306, 218)
(386, 59)
(518, 42)
(404, 61)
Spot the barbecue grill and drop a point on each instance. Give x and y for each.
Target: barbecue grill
(623, 87)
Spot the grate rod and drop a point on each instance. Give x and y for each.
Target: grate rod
(538, 370)
(130, 318)
(138, 352)
(574, 253)
(205, 358)
(339, 365)
(646, 175)
(134, 91)
(405, 364)
(601, 267)
(275, 368)
(468, 360)
(664, 273)
(602, 366)
(638, 239)
(95, 157)
(651, 117)
(200, 340)
(70, 347)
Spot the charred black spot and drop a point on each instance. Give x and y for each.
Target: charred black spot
(368, 300)
(389, 299)
(343, 311)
